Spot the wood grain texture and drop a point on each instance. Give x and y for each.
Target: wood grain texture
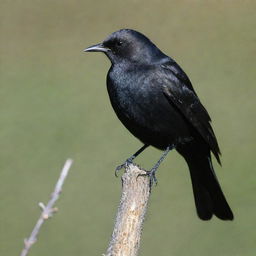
(126, 236)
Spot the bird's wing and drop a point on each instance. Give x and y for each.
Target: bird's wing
(179, 92)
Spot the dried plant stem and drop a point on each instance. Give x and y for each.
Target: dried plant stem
(48, 210)
(125, 240)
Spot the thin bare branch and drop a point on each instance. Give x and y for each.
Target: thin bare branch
(48, 210)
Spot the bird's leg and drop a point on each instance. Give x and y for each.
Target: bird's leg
(152, 172)
(130, 159)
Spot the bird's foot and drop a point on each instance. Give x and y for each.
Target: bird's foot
(152, 176)
(152, 173)
(124, 165)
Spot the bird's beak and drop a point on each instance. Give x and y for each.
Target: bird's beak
(97, 48)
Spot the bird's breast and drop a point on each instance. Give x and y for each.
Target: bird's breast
(131, 94)
(140, 104)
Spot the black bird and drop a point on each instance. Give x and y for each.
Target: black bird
(154, 99)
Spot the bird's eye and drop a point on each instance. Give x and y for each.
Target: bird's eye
(119, 43)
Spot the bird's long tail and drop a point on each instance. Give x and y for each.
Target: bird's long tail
(209, 198)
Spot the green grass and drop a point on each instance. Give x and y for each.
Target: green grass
(54, 105)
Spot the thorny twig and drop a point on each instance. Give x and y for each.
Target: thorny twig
(48, 210)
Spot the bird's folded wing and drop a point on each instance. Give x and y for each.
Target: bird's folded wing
(179, 92)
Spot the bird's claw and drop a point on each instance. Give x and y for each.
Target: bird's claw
(152, 176)
(121, 166)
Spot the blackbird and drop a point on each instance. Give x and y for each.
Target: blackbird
(154, 99)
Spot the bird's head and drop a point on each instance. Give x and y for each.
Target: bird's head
(128, 45)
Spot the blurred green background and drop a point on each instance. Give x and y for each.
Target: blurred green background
(54, 105)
